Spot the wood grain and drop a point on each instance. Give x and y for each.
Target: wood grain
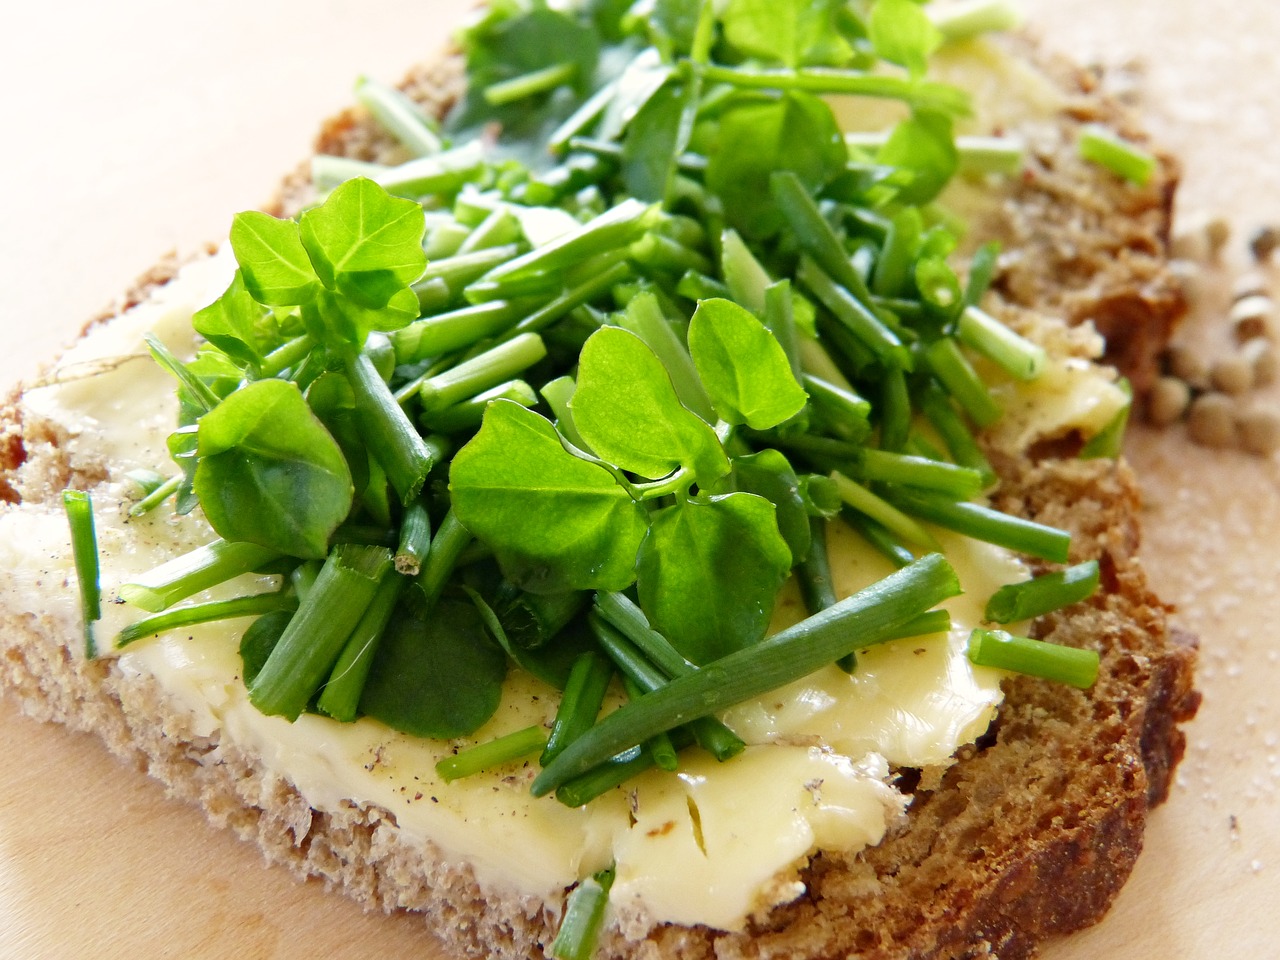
(138, 127)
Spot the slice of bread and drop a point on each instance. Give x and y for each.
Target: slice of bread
(1030, 836)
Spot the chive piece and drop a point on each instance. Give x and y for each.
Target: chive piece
(1011, 352)
(613, 772)
(986, 524)
(399, 115)
(450, 540)
(972, 18)
(468, 414)
(532, 620)
(147, 481)
(192, 572)
(953, 369)
(390, 434)
(617, 227)
(570, 300)
(856, 316)
(779, 317)
(443, 172)
(745, 277)
(460, 269)
(583, 916)
(917, 93)
(156, 497)
(697, 286)
(1037, 658)
(530, 84)
(455, 330)
(846, 410)
(582, 118)
(1108, 442)
(879, 536)
(415, 539)
(856, 622)
(624, 632)
(329, 171)
(558, 393)
(482, 372)
(895, 411)
(883, 512)
(304, 576)
(880, 466)
(580, 703)
(498, 229)
(982, 270)
(492, 753)
(1123, 158)
(659, 746)
(1043, 594)
(893, 270)
(84, 551)
(196, 613)
(960, 442)
(817, 586)
(644, 318)
(340, 697)
(304, 657)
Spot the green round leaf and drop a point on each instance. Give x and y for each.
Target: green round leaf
(269, 472)
(275, 266)
(709, 574)
(626, 408)
(516, 488)
(743, 367)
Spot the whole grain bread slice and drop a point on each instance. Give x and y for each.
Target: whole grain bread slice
(1029, 836)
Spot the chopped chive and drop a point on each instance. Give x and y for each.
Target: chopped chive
(986, 524)
(815, 234)
(863, 619)
(779, 317)
(1109, 441)
(659, 746)
(468, 414)
(982, 269)
(580, 703)
(879, 536)
(895, 410)
(972, 18)
(581, 119)
(953, 369)
(482, 372)
(493, 753)
(814, 359)
(460, 269)
(624, 633)
(532, 620)
(317, 633)
(196, 613)
(1123, 158)
(340, 697)
(880, 466)
(443, 172)
(1043, 594)
(498, 230)
(743, 274)
(147, 481)
(846, 411)
(450, 540)
(893, 269)
(329, 171)
(304, 576)
(953, 431)
(390, 434)
(570, 300)
(880, 510)
(817, 586)
(400, 116)
(84, 551)
(156, 497)
(613, 772)
(1037, 658)
(558, 393)
(922, 94)
(1011, 352)
(455, 330)
(530, 84)
(698, 286)
(204, 567)
(583, 916)
(415, 539)
(663, 253)
(856, 316)
(617, 227)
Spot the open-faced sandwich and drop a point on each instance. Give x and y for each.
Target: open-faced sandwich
(650, 487)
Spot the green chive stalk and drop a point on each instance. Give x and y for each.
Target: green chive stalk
(986, 524)
(450, 540)
(391, 435)
(953, 370)
(883, 512)
(192, 572)
(580, 702)
(494, 753)
(156, 497)
(482, 372)
(1043, 594)
(1013, 353)
(340, 697)
(400, 116)
(1037, 658)
(415, 539)
(583, 917)
(84, 551)
(197, 613)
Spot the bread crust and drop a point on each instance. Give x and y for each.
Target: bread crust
(1030, 836)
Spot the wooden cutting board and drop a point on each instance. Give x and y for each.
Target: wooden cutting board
(119, 115)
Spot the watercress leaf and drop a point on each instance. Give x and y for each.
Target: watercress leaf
(639, 81)
(902, 33)
(365, 243)
(922, 144)
(269, 473)
(516, 488)
(336, 321)
(675, 22)
(768, 474)
(655, 140)
(259, 640)
(626, 409)
(794, 32)
(272, 259)
(332, 401)
(237, 324)
(758, 135)
(709, 573)
(743, 367)
(437, 677)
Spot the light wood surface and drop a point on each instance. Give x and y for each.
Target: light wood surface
(138, 127)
